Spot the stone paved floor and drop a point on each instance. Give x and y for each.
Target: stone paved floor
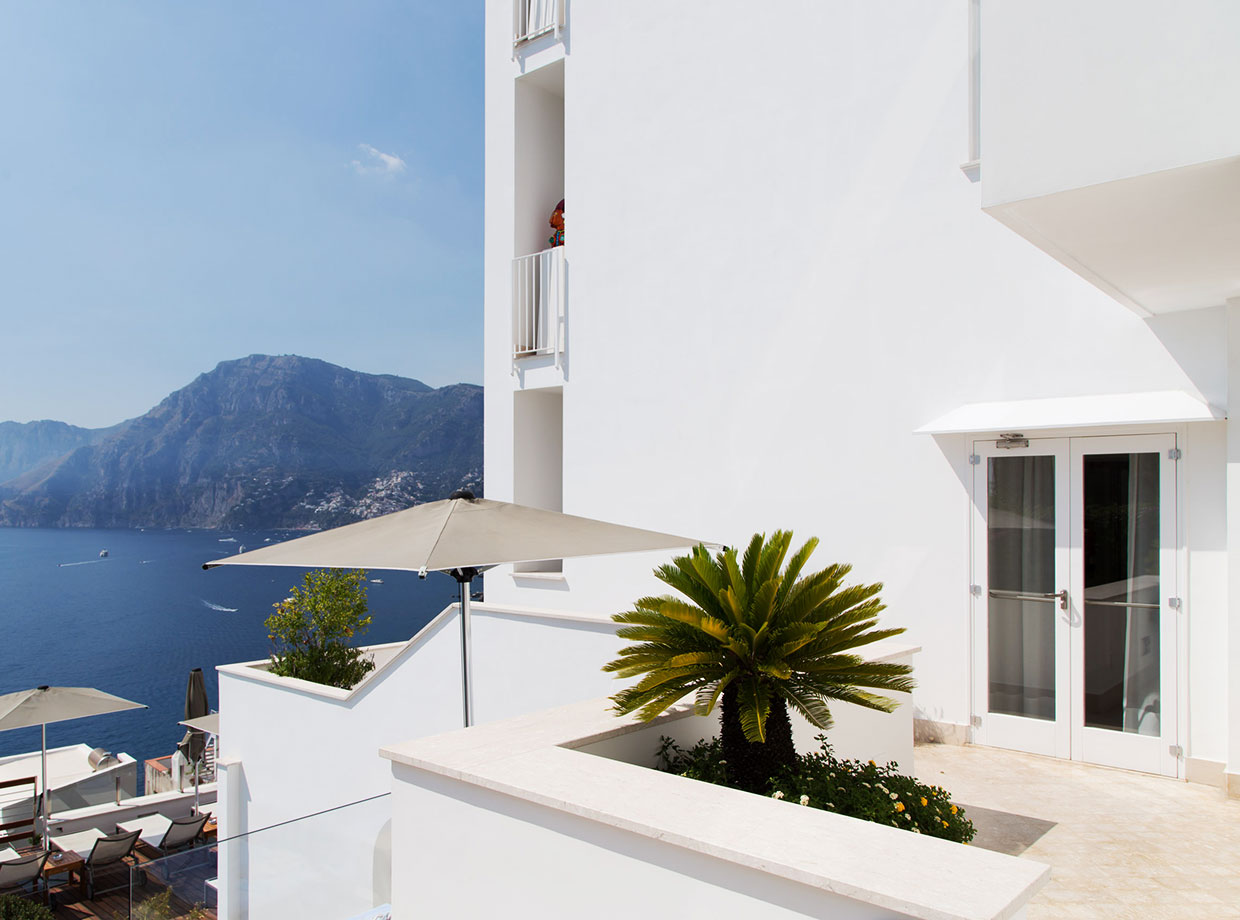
(1120, 845)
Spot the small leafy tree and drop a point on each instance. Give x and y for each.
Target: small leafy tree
(762, 637)
(311, 629)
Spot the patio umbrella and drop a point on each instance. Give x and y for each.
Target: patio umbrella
(56, 704)
(463, 536)
(210, 724)
(195, 706)
(192, 744)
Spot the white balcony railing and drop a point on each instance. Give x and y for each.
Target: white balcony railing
(538, 304)
(532, 19)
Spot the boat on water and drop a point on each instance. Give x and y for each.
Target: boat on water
(103, 554)
(376, 581)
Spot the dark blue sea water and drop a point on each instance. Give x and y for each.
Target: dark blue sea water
(135, 623)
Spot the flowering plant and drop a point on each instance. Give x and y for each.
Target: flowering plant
(858, 789)
(311, 628)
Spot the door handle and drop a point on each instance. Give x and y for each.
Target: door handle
(1061, 596)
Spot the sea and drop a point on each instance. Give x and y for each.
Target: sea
(136, 621)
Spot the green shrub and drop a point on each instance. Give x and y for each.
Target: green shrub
(158, 907)
(854, 788)
(311, 629)
(13, 907)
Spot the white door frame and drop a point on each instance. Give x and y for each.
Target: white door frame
(1067, 736)
(1034, 736)
(1148, 753)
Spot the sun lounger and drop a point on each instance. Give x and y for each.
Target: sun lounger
(166, 834)
(101, 851)
(22, 873)
(7, 854)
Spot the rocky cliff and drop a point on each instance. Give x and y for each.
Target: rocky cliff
(263, 442)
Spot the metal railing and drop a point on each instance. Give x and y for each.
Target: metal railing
(538, 304)
(532, 19)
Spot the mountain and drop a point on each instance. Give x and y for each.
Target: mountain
(263, 442)
(24, 446)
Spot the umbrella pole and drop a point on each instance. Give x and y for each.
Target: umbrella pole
(467, 677)
(43, 786)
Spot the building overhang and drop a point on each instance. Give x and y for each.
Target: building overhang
(1158, 243)
(1151, 408)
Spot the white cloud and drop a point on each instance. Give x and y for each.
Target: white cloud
(375, 162)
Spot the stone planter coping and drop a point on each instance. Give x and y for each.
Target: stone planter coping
(533, 758)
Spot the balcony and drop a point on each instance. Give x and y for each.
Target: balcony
(1108, 139)
(533, 19)
(538, 305)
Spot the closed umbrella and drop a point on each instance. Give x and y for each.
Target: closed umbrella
(208, 724)
(196, 706)
(44, 705)
(463, 536)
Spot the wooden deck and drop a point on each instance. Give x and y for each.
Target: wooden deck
(184, 902)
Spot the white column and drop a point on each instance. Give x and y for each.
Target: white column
(231, 866)
(1232, 778)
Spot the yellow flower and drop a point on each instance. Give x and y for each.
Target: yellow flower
(945, 824)
(873, 764)
(954, 809)
(924, 802)
(899, 806)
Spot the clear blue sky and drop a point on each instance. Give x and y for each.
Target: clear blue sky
(183, 183)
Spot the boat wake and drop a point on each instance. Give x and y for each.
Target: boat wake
(65, 565)
(226, 540)
(221, 609)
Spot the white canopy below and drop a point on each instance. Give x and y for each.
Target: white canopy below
(1024, 415)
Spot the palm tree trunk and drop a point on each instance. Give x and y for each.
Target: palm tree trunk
(750, 765)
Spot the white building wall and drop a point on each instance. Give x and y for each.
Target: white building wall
(1079, 93)
(778, 272)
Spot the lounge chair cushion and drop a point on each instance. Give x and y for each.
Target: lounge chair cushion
(7, 854)
(151, 829)
(81, 843)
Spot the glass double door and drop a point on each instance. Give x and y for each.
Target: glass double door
(1074, 582)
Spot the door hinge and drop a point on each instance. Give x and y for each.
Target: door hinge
(1174, 454)
(975, 590)
(1176, 751)
(1175, 603)
(976, 721)
(974, 459)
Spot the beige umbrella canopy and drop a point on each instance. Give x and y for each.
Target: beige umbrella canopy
(56, 704)
(457, 533)
(463, 536)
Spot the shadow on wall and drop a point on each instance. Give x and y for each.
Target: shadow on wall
(929, 727)
(381, 861)
(1197, 341)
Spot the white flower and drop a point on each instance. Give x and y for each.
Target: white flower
(777, 794)
(893, 796)
(805, 800)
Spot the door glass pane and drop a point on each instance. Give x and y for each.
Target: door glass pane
(1122, 600)
(1020, 525)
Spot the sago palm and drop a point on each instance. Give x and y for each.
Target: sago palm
(761, 636)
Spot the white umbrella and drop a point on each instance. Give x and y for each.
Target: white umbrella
(56, 704)
(462, 536)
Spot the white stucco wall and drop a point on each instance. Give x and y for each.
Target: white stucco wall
(295, 749)
(1079, 93)
(778, 272)
(564, 832)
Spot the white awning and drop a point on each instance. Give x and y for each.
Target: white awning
(1022, 415)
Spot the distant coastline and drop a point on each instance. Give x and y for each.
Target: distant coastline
(259, 443)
